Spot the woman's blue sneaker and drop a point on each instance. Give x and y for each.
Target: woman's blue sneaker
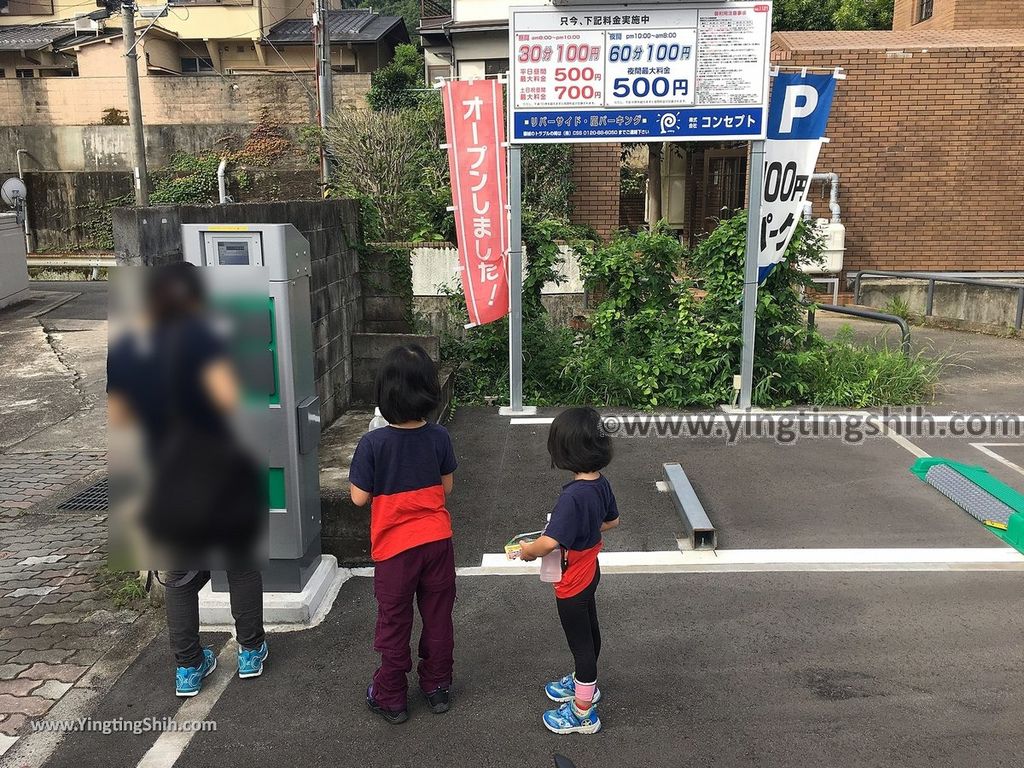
(250, 663)
(188, 680)
(565, 690)
(567, 719)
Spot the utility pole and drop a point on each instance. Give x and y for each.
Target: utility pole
(131, 60)
(324, 80)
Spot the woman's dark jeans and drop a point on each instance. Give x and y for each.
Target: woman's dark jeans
(182, 603)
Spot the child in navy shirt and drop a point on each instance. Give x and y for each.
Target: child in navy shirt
(405, 471)
(585, 510)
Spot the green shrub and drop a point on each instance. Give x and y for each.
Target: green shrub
(399, 83)
(667, 334)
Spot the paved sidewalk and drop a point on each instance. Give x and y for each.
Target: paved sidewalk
(27, 478)
(57, 616)
(56, 619)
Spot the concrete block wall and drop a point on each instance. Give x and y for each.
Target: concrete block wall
(368, 349)
(153, 236)
(927, 145)
(176, 100)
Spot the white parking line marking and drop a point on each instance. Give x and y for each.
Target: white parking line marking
(532, 420)
(168, 748)
(6, 742)
(986, 448)
(769, 560)
(903, 442)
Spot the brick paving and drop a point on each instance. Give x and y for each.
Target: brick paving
(56, 620)
(29, 478)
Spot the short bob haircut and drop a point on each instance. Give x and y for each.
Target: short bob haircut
(407, 386)
(577, 442)
(174, 291)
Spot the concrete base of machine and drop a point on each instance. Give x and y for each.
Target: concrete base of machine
(305, 608)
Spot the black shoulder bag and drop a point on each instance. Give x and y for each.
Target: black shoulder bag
(207, 492)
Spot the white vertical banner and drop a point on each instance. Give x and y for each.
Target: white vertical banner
(797, 118)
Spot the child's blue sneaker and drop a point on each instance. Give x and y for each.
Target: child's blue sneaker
(188, 680)
(250, 663)
(565, 690)
(568, 719)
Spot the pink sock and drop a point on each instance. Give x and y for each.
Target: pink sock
(585, 691)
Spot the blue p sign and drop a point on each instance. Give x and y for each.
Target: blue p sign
(800, 106)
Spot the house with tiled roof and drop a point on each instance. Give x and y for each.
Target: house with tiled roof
(69, 38)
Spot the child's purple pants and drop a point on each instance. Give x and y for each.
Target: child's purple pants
(426, 573)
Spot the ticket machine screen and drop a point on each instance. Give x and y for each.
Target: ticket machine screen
(233, 253)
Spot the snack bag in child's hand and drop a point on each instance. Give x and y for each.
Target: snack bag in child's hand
(516, 542)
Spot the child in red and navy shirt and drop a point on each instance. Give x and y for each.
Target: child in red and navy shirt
(585, 510)
(405, 471)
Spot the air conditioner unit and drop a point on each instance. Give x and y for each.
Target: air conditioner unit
(84, 25)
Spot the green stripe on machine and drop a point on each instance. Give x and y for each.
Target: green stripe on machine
(275, 480)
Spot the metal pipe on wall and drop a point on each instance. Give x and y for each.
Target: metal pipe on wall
(222, 182)
(832, 179)
(21, 175)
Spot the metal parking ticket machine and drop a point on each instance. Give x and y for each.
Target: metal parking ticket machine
(282, 370)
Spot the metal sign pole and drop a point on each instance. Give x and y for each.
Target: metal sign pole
(515, 279)
(515, 285)
(750, 272)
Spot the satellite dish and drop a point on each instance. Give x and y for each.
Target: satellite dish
(13, 192)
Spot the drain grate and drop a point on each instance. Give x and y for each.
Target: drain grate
(95, 498)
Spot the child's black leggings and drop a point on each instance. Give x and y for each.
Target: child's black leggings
(578, 615)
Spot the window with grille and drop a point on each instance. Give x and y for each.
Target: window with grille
(924, 9)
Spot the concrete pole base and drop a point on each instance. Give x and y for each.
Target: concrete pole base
(526, 410)
(292, 610)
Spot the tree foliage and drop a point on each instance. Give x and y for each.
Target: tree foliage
(398, 84)
(832, 14)
(409, 10)
(392, 162)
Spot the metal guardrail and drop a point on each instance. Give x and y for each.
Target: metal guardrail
(700, 533)
(867, 314)
(81, 260)
(939, 277)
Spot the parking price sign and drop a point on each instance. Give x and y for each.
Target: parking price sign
(667, 72)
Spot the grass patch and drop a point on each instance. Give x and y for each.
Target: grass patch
(842, 374)
(124, 588)
(899, 307)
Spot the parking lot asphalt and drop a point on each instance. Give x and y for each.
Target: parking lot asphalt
(866, 669)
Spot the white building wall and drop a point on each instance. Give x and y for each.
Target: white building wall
(435, 271)
(487, 10)
(13, 269)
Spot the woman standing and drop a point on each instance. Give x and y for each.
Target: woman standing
(175, 381)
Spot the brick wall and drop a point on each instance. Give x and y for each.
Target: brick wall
(229, 99)
(928, 151)
(595, 174)
(988, 14)
(905, 15)
(961, 14)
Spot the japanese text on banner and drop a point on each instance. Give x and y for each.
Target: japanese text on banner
(474, 125)
(797, 119)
